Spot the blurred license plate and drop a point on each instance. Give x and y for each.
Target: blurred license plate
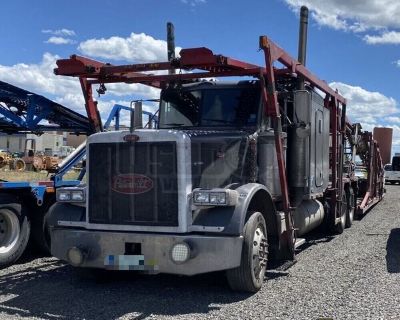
(129, 262)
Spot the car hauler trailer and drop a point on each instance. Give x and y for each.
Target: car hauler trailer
(23, 204)
(233, 176)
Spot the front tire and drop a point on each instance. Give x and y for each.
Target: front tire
(14, 235)
(249, 276)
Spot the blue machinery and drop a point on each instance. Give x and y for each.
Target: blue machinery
(24, 111)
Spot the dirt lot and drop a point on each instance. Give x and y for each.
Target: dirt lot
(352, 276)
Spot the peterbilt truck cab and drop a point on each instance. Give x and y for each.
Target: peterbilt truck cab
(183, 198)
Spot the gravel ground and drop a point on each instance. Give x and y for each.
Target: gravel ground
(352, 276)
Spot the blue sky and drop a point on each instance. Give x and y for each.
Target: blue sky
(353, 45)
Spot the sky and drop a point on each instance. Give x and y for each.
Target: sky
(352, 45)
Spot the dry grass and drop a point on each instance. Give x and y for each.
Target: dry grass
(32, 176)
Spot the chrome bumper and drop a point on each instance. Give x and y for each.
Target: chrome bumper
(208, 253)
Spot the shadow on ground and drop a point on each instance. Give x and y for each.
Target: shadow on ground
(53, 290)
(393, 251)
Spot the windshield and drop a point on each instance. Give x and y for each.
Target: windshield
(211, 107)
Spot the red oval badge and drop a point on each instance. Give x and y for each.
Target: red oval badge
(131, 138)
(130, 183)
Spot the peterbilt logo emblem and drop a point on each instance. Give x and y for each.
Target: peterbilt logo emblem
(131, 138)
(131, 183)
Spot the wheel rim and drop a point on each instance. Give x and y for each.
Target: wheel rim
(9, 231)
(343, 217)
(351, 214)
(260, 252)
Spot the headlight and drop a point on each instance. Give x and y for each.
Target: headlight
(71, 194)
(77, 195)
(215, 197)
(218, 198)
(63, 195)
(201, 197)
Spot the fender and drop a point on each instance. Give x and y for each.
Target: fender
(232, 219)
(65, 212)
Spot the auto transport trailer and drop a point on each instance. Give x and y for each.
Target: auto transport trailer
(234, 175)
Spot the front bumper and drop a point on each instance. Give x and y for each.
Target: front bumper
(209, 253)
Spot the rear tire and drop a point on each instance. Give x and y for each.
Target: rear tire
(14, 235)
(349, 207)
(249, 276)
(339, 228)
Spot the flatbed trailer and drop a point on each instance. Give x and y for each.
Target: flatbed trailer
(234, 175)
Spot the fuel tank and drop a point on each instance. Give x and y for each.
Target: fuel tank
(308, 216)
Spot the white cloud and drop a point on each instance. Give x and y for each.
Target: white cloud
(389, 37)
(397, 63)
(39, 78)
(353, 14)
(393, 119)
(136, 47)
(60, 32)
(366, 107)
(60, 40)
(371, 109)
(72, 100)
(356, 16)
(193, 3)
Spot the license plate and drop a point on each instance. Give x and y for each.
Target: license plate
(129, 262)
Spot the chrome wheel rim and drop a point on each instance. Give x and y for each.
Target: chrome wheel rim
(9, 230)
(351, 214)
(259, 252)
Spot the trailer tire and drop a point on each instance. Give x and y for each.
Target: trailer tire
(350, 207)
(249, 276)
(14, 235)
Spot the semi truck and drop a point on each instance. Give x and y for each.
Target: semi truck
(235, 174)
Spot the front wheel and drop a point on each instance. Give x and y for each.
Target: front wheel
(14, 235)
(249, 276)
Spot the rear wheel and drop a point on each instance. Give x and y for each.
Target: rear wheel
(14, 235)
(338, 228)
(349, 207)
(249, 276)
